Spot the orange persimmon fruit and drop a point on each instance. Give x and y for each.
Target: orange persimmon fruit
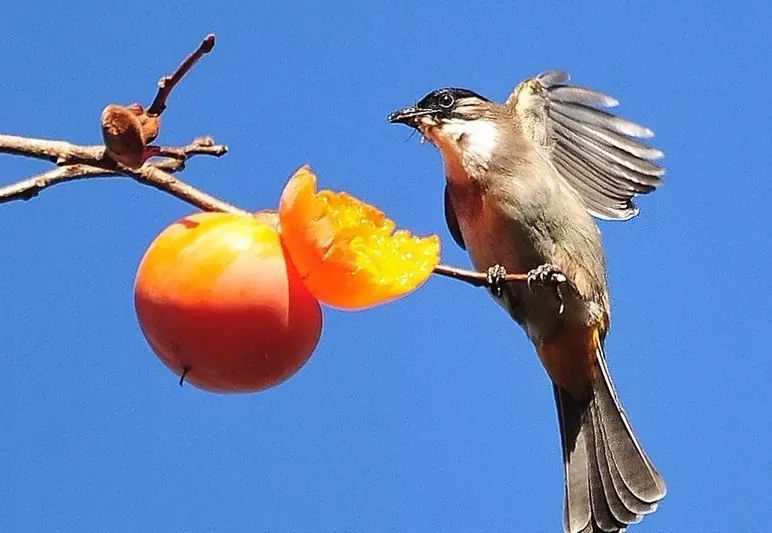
(222, 307)
(347, 251)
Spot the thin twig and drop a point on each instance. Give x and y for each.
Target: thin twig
(200, 146)
(167, 83)
(477, 279)
(64, 153)
(155, 177)
(59, 152)
(29, 188)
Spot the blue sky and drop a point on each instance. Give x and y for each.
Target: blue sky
(431, 413)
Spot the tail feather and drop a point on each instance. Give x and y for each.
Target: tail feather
(600, 504)
(622, 512)
(635, 468)
(577, 507)
(610, 482)
(629, 500)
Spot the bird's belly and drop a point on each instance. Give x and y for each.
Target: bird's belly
(498, 232)
(494, 235)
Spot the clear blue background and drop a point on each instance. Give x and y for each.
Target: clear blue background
(429, 414)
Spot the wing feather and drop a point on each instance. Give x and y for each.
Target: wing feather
(580, 95)
(452, 221)
(596, 152)
(610, 138)
(621, 157)
(553, 77)
(601, 119)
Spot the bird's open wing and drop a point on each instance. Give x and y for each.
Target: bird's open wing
(593, 150)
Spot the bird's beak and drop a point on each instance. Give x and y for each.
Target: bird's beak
(410, 116)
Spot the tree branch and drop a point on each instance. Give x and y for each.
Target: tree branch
(29, 188)
(155, 177)
(199, 146)
(474, 278)
(59, 152)
(157, 174)
(77, 162)
(92, 163)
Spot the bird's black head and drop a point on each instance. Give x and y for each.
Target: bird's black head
(446, 103)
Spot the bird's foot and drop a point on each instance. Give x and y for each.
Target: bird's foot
(496, 278)
(548, 275)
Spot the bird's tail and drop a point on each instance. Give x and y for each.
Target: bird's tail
(610, 482)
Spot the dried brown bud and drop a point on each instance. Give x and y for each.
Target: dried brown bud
(150, 127)
(123, 136)
(127, 130)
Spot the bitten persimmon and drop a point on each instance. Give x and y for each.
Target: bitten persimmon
(220, 304)
(347, 251)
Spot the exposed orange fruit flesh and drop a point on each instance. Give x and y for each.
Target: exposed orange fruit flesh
(347, 251)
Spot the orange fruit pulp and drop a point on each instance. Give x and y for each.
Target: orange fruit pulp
(348, 253)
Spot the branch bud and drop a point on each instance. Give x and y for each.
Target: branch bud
(123, 136)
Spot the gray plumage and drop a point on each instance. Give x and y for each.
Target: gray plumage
(523, 181)
(594, 151)
(610, 482)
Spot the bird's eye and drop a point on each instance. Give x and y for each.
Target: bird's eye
(445, 100)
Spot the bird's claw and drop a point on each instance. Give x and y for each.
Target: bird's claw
(548, 274)
(496, 277)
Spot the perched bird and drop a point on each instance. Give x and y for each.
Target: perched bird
(524, 180)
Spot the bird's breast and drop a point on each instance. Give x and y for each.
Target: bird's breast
(492, 234)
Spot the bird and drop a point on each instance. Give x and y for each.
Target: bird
(525, 181)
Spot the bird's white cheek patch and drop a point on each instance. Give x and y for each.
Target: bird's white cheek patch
(476, 138)
(473, 142)
(466, 146)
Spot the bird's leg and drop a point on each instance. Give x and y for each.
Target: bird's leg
(548, 274)
(496, 279)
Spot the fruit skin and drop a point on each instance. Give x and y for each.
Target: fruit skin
(217, 300)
